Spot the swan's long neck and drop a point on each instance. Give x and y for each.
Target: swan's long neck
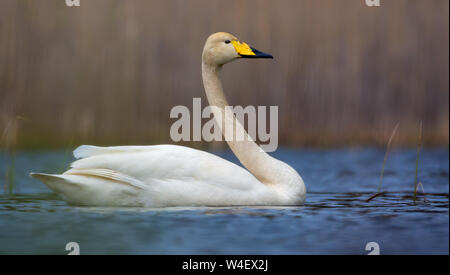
(258, 162)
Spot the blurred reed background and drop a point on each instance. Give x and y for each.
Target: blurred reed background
(109, 71)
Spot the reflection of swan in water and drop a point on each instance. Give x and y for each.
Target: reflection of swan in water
(170, 175)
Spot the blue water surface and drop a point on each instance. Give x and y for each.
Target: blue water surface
(336, 218)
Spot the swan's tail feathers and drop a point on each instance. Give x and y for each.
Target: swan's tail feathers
(58, 183)
(99, 187)
(47, 178)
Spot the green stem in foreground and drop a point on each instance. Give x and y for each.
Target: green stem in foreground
(11, 172)
(419, 145)
(66, 157)
(386, 156)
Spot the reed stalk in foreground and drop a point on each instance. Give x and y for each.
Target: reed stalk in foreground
(11, 173)
(419, 146)
(11, 170)
(67, 154)
(9, 137)
(384, 163)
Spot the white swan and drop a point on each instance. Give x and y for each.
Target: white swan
(170, 175)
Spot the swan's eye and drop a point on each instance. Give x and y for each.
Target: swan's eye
(227, 41)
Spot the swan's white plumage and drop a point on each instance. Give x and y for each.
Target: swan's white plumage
(157, 176)
(170, 175)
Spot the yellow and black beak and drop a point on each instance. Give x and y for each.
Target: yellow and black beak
(246, 51)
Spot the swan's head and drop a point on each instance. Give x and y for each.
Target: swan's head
(221, 48)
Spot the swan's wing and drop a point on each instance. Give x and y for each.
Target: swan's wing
(85, 151)
(150, 164)
(164, 175)
(156, 176)
(108, 175)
